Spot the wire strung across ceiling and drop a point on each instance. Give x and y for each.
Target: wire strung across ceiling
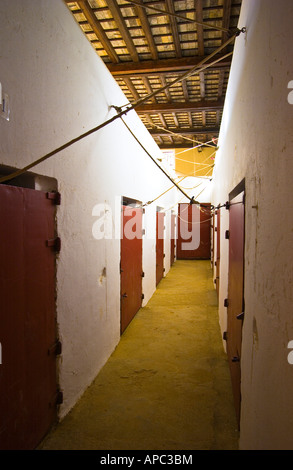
(129, 107)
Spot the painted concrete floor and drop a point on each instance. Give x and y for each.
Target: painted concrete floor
(167, 384)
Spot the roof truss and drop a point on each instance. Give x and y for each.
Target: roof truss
(146, 44)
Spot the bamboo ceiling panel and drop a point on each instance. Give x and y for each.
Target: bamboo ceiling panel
(147, 44)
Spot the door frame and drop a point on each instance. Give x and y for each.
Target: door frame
(160, 244)
(131, 295)
(39, 239)
(236, 302)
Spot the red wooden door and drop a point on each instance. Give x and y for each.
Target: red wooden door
(194, 231)
(28, 380)
(235, 310)
(173, 235)
(218, 238)
(160, 247)
(131, 264)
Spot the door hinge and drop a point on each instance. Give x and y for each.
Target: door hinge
(142, 274)
(54, 243)
(227, 234)
(227, 205)
(56, 348)
(225, 336)
(54, 197)
(226, 303)
(235, 359)
(142, 296)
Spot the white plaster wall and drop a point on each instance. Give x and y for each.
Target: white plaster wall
(59, 89)
(256, 143)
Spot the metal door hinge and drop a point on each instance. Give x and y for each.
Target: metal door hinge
(226, 303)
(55, 197)
(227, 205)
(142, 296)
(235, 359)
(142, 274)
(225, 336)
(54, 243)
(227, 234)
(56, 348)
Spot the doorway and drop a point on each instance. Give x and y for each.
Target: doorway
(194, 231)
(28, 334)
(131, 263)
(160, 230)
(235, 301)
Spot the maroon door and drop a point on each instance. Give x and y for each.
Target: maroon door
(160, 247)
(194, 231)
(28, 380)
(131, 264)
(235, 310)
(173, 235)
(218, 238)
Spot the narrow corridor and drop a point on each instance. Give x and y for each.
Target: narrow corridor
(167, 384)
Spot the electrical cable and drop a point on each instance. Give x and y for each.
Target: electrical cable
(159, 166)
(62, 147)
(200, 144)
(187, 74)
(121, 112)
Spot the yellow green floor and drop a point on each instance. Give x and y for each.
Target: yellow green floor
(167, 384)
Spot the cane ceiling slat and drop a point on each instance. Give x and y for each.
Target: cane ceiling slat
(147, 48)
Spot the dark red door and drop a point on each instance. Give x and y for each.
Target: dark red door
(194, 231)
(218, 238)
(235, 310)
(28, 380)
(160, 247)
(131, 264)
(173, 235)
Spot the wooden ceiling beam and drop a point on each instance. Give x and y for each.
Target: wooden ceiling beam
(174, 29)
(118, 17)
(140, 11)
(226, 18)
(164, 65)
(131, 88)
(200, 37)
(186, 131)
(196, 106)
(173, 145)
(98, 30)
